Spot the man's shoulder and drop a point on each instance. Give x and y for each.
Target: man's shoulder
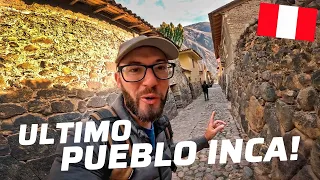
(105, 113)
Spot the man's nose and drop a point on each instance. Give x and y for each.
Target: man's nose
(150, 79)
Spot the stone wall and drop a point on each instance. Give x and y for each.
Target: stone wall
(235, 21)
(197, 89)
(56, 46)
(55, 66)
(276, 92)
(39, 106)
(180, 88)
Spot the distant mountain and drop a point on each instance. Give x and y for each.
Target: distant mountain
(198, 37)
(201, 26)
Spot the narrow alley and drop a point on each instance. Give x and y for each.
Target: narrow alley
(192, 122)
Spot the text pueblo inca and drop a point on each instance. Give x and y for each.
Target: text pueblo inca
(92, 133)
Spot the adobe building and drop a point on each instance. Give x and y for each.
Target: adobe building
(204, 73)
(273, 85)
(189, 59)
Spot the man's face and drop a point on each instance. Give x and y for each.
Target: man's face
(146, 98)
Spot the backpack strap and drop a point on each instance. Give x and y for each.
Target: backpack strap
(169, 135)
(108, 113)
(104, 113)
(168, 130)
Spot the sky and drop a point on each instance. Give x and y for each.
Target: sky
(185, 12)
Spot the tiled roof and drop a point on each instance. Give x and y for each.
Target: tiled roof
(215, 18)
(189, 49)
(118, 14)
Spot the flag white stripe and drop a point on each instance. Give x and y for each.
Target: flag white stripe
(287, 22)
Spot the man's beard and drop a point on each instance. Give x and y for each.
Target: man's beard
(150, 114)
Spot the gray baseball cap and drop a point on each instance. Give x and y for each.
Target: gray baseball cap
(167, 47)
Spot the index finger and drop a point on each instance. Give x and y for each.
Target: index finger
(212, 117)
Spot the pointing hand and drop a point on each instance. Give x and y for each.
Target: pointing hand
(214, 127)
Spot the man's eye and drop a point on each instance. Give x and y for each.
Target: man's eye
(162, 67)
(135, 70)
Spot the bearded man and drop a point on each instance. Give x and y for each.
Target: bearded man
(143, 73)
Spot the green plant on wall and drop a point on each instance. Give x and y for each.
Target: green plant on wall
(175, 34)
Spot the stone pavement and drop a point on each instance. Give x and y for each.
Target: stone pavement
(192, 122)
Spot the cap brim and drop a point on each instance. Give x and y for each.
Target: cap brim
(167, 47)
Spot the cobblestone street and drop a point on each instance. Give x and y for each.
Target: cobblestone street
(192, 122)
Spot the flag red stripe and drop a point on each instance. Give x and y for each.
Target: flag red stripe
(268, 18)
(306, 24)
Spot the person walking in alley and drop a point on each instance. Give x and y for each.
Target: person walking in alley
(205, 88)
(143, 73)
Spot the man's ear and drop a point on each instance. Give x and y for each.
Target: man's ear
(117, 78)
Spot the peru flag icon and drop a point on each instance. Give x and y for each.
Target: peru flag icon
(290, 22)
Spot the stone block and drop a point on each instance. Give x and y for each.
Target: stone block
(301, 2)
(94, 85)
(38, 106)
(35, 151)
(305, 144)
(83, 94)
(266, 134)
(316, 80)
(299, 61)
(17, 96)
(28, 119)
(4, 146)
(68, 117)
(105, 93)
(304, 79)
(276, 79)
(308, 123)
(315, 157)
(267, 92)
(263, 168)
(307, 98)
(287, 169)
(252, 133)
(284, 114)
(7, 125)
(170, 108)
(292, 82)
(318, 4)
(96, 102)
(254, 114)
(82, 106)
(244, 123)
(42, 39)
(11, 168)
(271, 119)
(10, 110)
(266, 75)
(243, 103)
(72, 93)
(31, 47)
(317, 107)
(305, 173)
(41, 167)
(288, 96)
(62, 106)
(37, 83)
(51, 94)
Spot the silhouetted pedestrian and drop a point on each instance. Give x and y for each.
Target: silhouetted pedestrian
(205, 87)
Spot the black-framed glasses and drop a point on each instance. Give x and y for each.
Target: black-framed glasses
(135, 73)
